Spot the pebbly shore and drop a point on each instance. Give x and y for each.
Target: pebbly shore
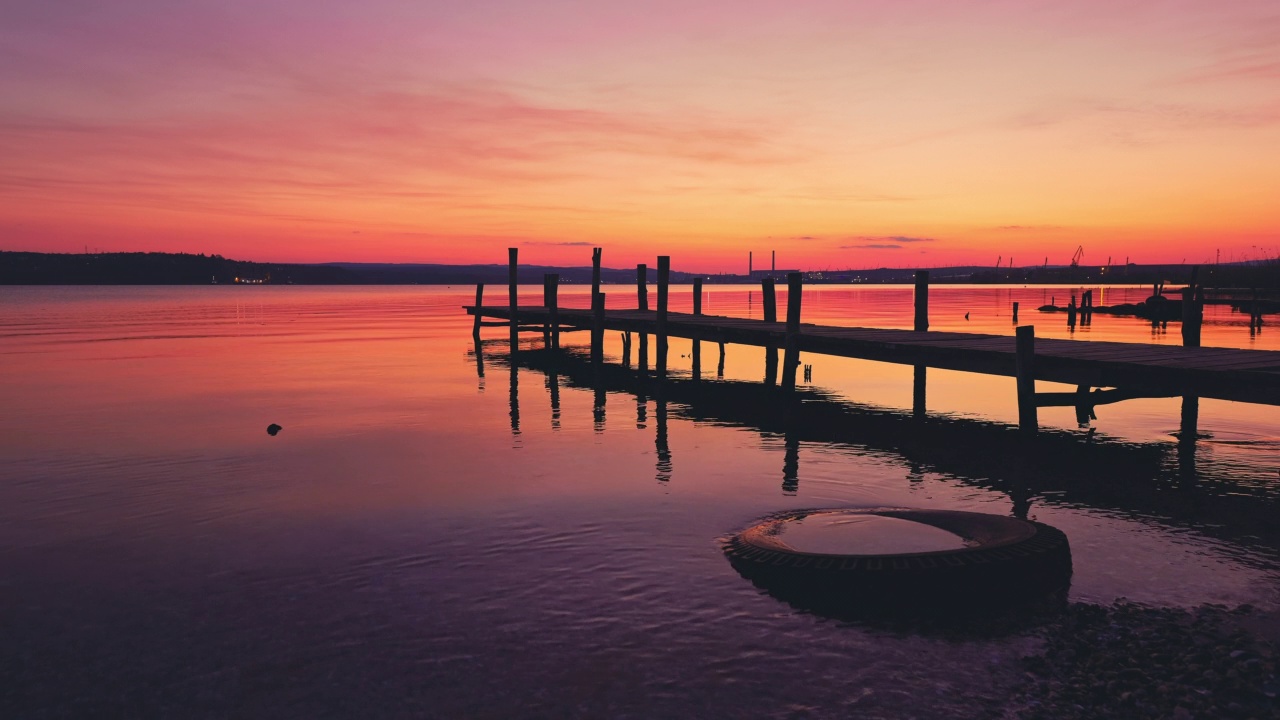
(1132, 661)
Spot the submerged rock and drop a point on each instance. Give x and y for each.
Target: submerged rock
(273, 428)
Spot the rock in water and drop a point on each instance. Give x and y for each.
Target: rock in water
(273, 428)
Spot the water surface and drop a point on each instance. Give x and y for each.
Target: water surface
(430, 536)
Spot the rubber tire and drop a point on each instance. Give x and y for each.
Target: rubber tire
(1006, 560)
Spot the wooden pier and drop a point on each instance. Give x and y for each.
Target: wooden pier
(1128, 370)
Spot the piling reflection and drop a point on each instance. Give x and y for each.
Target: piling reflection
(1056, 467)
(553, 389)
(664, 466)
(514, 398)
(919, 389)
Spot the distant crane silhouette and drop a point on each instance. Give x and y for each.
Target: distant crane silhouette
(1075, 259)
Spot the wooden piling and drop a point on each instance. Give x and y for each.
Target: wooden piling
(475, 327)
(597, 328)
(1191, 317)
(1015, 313)
(791, 356)
(922, 300)
(720, 367)
(511, 293)
(553, 308)
(1024, 359)
(595, 271)
(626, 349)
(921, 325)
(664, 279)
(697, 344)
(642, 303)
(769, 292)
(546, 302)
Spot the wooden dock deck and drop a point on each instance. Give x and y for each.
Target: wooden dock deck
(1121, 371)
(1137, 369)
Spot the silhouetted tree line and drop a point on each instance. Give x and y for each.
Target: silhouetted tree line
(28, 268)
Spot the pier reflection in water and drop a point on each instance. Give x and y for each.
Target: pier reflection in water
(1148, 479)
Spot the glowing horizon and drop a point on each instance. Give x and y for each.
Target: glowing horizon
(854, 135)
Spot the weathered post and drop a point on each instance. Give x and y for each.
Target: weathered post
(1015, 313)
(791, 356)
(626, 349)
(1191, 317)
(553, 308)
(664, 279)
(597, 328)
(720, 367)
(595, 271)
(1025, 346)
(921, 372)
(697, 344)
(475, 327)
(642, 287)
(642, 303)
(511, 293)
(546, 303)
(770, 316)
(922, 300)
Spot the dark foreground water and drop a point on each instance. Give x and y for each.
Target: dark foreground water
(433, 537)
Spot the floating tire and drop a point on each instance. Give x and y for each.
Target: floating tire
(999, 560)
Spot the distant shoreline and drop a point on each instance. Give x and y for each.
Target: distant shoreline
(30, 268)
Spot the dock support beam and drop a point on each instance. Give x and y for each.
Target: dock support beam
(546, 303)
(770, 316)
(595, 271)
(921, 375)
(475, 327)
(1192, 315)
(791, 356)
(642, 303)
(597, 328)
(922, 300)
(553, 307)
(664, 279)
(511, 293)
(770, 300)
(1028, 421)
(697, 344)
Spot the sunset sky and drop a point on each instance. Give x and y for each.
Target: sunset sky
(841, 134)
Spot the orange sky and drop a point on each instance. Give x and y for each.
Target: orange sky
(841, 134)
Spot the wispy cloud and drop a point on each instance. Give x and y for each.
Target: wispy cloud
(872, 246)
(551, 243)
(894, 239)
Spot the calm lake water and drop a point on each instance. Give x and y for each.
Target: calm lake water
(427, 537)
